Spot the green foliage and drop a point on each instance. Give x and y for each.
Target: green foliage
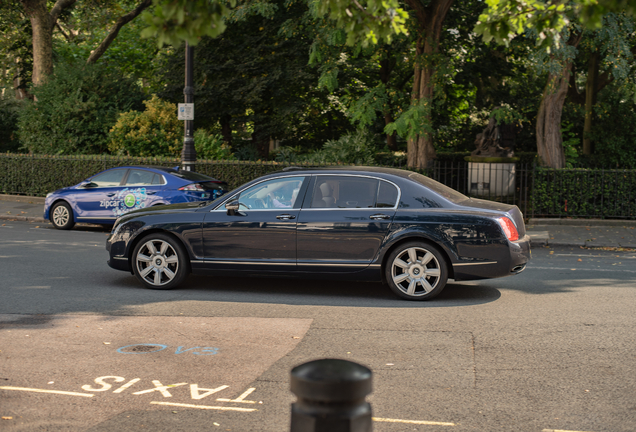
(414, 121)
(175, 21)
(584, 193)
(153, 132)
(506, 115)
(355, 148)
(504, 19)
(571, 144)
(367, 21)
(9, 112)
(75, 109)
(211, 146)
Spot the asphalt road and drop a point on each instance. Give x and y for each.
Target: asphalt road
(85, 347)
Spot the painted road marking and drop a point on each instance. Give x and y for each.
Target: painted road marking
(195, 394)
(241, 398)
(45, 391)
(205, 407)
(558, 430)
(160, 388)
(420, 422)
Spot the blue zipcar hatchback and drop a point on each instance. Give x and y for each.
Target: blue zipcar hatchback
(104, 197)
(361, 223)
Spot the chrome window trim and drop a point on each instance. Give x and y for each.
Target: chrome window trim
(221, 208)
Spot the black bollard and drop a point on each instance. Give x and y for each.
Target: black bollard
(331, 397)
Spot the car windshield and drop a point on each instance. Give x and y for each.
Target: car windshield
(450, 194)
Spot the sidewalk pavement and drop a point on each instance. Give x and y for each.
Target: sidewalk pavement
(543, 232)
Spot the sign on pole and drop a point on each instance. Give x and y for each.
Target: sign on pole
(186, 111)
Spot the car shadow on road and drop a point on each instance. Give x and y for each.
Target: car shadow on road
(324, 292)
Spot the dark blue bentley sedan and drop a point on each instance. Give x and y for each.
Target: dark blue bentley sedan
(102, 198)
(358, 223)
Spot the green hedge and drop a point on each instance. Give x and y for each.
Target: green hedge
(596, 193)
(37, 175)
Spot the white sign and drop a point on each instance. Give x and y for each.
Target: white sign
(186, 111)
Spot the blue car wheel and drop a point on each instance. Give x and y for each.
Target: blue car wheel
(62, 216)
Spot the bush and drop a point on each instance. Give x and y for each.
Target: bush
(211, 146)
(75, 109)
(356, 148)
(9, 112)
(154, 132)
(584, 193)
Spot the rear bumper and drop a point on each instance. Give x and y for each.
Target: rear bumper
(505, 259)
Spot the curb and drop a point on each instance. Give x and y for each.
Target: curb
(23, 218)
(23, 198)
(580, 222)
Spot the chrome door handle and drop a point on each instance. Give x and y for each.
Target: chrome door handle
(110, 194)
(151, 193)
(379, 217)
(285, 217)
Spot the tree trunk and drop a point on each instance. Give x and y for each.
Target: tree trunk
(590, 99)
(42, 24)
(549, 139)
(430, 19)
(42, 39)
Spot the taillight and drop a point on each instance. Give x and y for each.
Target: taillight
(192, 187)
(509, 228)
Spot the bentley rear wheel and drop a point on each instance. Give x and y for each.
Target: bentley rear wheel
(416, 271)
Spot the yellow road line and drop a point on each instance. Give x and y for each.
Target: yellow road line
(221, 408)
(45, 391)
(420, 422)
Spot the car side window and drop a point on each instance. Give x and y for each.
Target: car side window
(140, 178)
(387, 195)
(108, 179)
(344, 192)
(272, 194)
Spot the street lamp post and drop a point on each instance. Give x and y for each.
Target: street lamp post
(188, 154)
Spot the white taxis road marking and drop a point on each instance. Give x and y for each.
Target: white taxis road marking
(419, 422)
(205, 407)
(558, 430)
(45, 391)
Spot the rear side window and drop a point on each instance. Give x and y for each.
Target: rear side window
(110, 178)
(142, 178)
(352, 192)
(387, 195)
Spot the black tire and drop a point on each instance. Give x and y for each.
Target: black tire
(160, 262)
(61, 216)
(416, 271)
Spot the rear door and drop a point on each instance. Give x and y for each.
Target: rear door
(343, 222)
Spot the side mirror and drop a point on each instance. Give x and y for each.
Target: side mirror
(232, 207)
(87, 184)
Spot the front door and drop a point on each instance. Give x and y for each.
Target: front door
(261, 236)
